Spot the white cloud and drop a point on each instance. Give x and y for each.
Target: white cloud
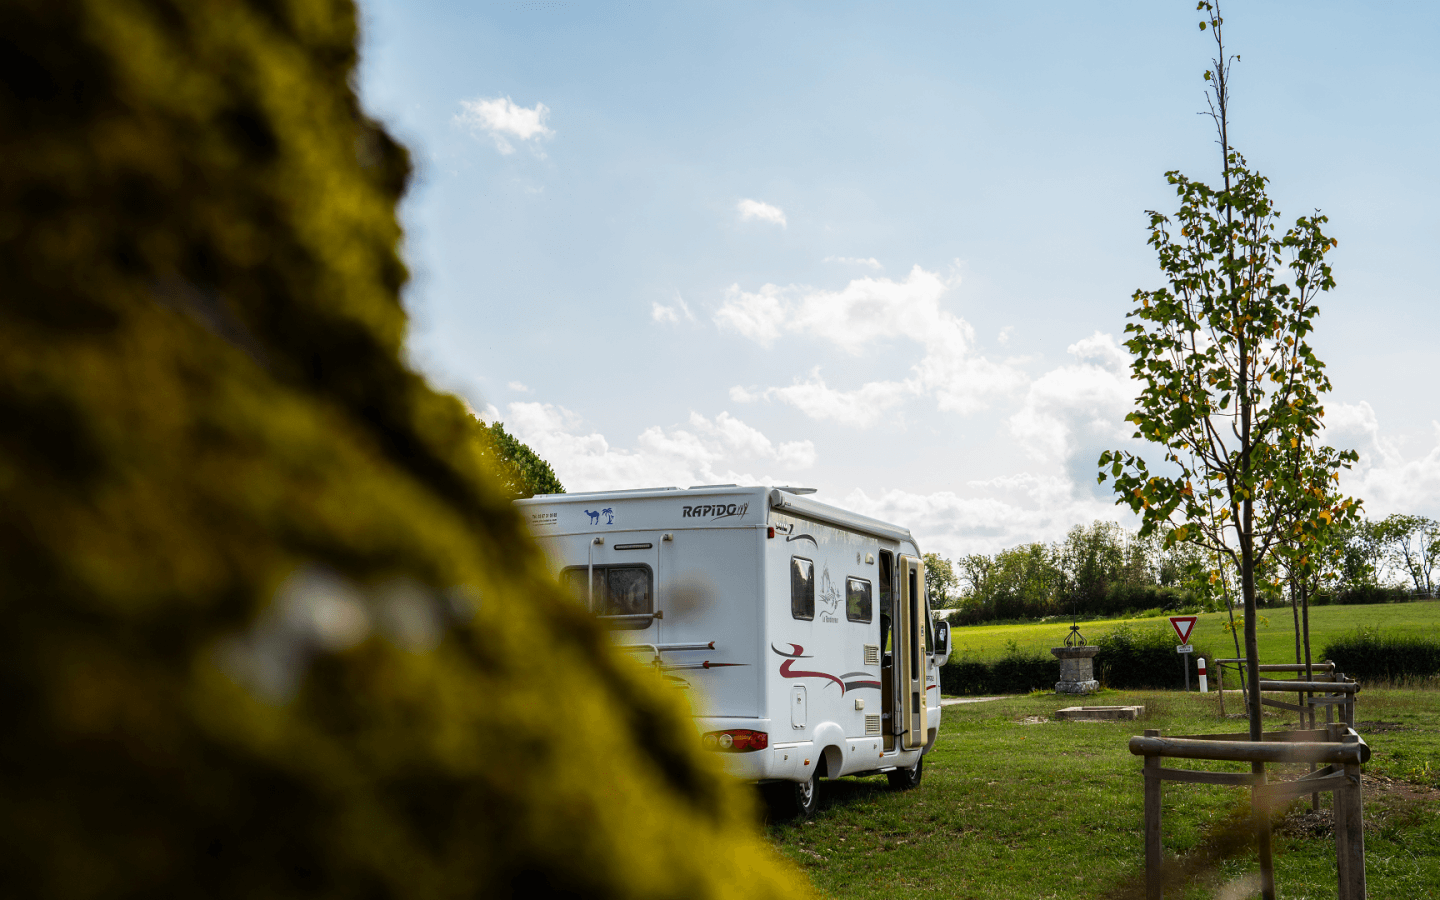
(763, 212)
(503, 120)
(871, 261)
(518, 387)
(758, 317)
(855, 318)
(1019, 509)
(860, 408)
(487, 415)
(1078, 405)
(672, 314)
(1387, 478)
(708, 451)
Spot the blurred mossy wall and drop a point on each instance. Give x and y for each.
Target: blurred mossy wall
(270, 626)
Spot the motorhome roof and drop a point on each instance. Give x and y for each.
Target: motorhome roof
(780, 499)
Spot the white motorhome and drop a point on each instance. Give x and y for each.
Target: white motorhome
(802, 631)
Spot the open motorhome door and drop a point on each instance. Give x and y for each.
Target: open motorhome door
(910, 651)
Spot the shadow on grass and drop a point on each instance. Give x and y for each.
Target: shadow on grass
(835, 796)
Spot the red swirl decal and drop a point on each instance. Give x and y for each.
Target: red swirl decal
(797, 653)
(786, 672)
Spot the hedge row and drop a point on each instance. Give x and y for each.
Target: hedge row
(1119, 600)
(1129, 657)
(1368, 655)
(1365, 594)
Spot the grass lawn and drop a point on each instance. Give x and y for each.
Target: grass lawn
(1014, 805)
(1277, 639)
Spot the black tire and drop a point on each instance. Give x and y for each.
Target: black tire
(905, 779)
(793, 799)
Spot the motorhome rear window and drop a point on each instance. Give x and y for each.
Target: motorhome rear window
(857, 600)
(619, 590)
(802, 588)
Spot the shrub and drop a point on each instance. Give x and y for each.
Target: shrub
(1129, 657)
(1368, 655)
(1133, 657)
(1013, 673)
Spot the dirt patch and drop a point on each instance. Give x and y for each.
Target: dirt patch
(1381, 727)
(1308, 824)
(1384, 799)
(1034, 720)
(1383, 787)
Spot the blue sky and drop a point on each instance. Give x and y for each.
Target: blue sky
(886, 250)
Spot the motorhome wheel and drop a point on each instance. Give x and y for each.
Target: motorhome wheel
(806, 797)
(792, 799)
(905, 779)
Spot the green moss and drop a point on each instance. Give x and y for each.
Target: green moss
(271, 625)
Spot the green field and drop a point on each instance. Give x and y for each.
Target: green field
(1015, 807)
(1277, 639)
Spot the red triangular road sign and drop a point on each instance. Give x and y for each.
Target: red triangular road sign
(1183, 625)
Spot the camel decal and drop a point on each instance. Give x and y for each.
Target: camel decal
(607, 512)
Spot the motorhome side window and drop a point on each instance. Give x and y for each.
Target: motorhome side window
(802, 588)
(857, 600)
(618, 590)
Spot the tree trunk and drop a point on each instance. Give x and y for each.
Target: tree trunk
(1295, 613)
(1305, 612)
(1252, 647)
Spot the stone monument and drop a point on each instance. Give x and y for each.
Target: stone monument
(1077, 665)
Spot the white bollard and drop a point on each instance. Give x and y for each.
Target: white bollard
(1200, 665)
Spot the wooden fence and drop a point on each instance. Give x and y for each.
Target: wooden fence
(1337, 747)
(1328, 689)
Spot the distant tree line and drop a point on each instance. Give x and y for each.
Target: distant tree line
(1104, 569)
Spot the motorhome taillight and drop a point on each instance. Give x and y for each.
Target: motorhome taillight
(770, 531)
(735, 740)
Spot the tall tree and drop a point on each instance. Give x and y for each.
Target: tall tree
(1411, 544)
(1229, 382)
(524, 472)
(940, 581)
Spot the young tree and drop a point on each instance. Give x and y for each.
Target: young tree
(1229, 382)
